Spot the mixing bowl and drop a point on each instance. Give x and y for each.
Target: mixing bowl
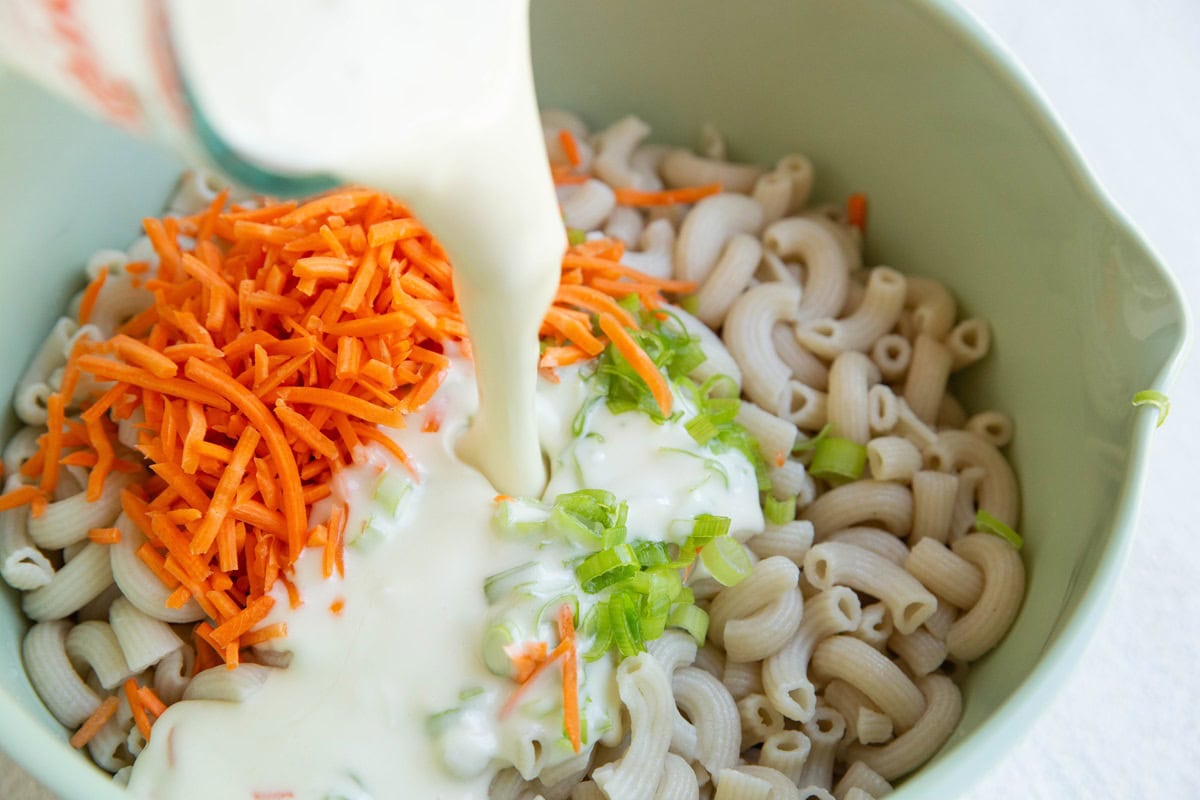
(971, 181)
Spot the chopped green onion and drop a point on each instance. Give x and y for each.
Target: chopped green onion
(597, 626)
(779, 512)
(809, 444)
(498, 637)
(686, 596)
(686, 358)
(631, 303)
(723, 410)
(838, 460)
(735, 437)
(390, 490)
(575, 236)
(603, 569)
(650, 554)
(1149, 397)
(439, 723)
(726, 560)
(502, 584)
(581, 416)
(989, 524)
(690, 618)
(613, 536)
(701, 428)
(467, 694)
(690, 303)
(720, 386)
(626, 621)
(520, 515)
(655, 608)
(708, 527)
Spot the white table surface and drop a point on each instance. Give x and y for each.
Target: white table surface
(1124, 76)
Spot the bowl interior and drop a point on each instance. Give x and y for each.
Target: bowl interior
(969, 181)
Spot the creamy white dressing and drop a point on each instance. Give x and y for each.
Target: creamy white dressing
(435, 102)
(348, 716)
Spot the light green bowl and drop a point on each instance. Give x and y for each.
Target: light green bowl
(971, 181)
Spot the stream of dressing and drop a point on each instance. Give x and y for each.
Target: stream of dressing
(347, 718)
(433, 101)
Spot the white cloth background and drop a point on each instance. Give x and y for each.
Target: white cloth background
(1124, 75)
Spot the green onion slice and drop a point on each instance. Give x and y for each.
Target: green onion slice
(390, 491)
(838, 460)
(601, 570)
(502, 584)
(521, 515)
(1149, 397)
(690, 618)
(989, 524)
(626, 621)
(597, 626)
(651, 554)
(702, 429)
(779, 512)
(576, 236)
(498, 637)
(726, 560)
(809, 444)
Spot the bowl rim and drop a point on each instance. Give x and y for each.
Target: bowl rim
(964, 763)
(41, 753)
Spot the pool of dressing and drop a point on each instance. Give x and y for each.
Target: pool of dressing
(348, 717)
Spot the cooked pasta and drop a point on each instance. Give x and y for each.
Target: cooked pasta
(812, 653)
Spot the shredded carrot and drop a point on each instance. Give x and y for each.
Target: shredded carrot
(98, 719)
(90, 295)
(337, 606)
(856, 211)
(570, 147)
(151, 701)
(105, 535)
(20, 496)
(55, 422)
(249, 617)
(525, 658)
(514, 698)
(689, 194)
(139, 711)
(266, 633)
(570, 680)
(178, 598)
(275, 347)
(641, 363)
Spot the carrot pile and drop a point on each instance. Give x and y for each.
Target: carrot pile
(593, 279)
(275, 347)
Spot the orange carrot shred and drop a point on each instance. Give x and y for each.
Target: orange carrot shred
(105, 535)
(90, 295)
(55, 408)
(570, 147)
(570, 680)
(641, 363)
(856, 211)
(139, 711)
(690, 194)
(151, 701)
(98, 719)
(250, 616)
